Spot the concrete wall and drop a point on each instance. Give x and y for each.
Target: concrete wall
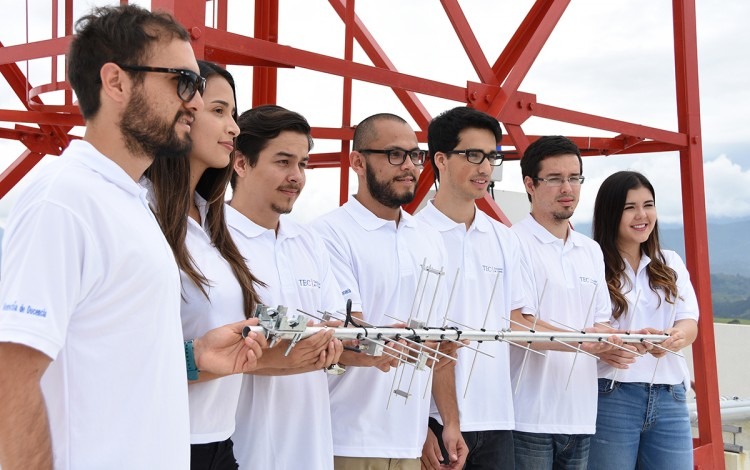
(733, 368)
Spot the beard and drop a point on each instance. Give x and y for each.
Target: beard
(383, 191)
(562, 215)
(281, 210)
(286, 209)
(146, 134)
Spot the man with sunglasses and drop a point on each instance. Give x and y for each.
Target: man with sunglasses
(555, 395)
(463, 145)
(93, 361)
(376, 252)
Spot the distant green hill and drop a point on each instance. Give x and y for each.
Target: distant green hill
(729, 259)
(728, 244)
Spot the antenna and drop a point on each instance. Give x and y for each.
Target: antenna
(533, 328)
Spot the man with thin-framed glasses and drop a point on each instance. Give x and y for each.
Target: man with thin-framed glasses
(93, 360)
(484, 262)
(376, 252)
(555, 395)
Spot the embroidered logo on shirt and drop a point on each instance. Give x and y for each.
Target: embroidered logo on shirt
(311, 283)
(27, 309)
(347, 291)
(588, 280)
(492, 269)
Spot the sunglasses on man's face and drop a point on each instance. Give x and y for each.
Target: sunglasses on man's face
(188, 82)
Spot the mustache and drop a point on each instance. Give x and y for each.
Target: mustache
(405, 174)
(180, 114)
(291, 187)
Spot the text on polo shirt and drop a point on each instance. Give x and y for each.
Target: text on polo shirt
(311, 283)
(588, 280)
(492, 269)
(27, 309)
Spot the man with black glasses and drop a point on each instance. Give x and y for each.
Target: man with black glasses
(486, 254)
(376, 251)
(93, 362)
(555, 395)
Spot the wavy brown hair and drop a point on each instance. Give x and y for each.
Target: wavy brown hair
(608, 209)
(170, 178)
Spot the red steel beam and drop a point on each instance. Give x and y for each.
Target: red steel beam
(696, 238)
(17, 170)
(265, 79)
(519, 41)
(34, 50)
(375, 53)
(42, 118)
(331, 65)
(346, 103)
(533, 39)
(469, 42)
(607, 124)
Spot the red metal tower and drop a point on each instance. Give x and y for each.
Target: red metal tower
(44, 129)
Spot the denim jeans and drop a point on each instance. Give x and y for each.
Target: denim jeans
(537, 451)
(641, 426)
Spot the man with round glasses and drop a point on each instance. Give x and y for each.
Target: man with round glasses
(555, 395)
(376, 251)
(93, 360)
(486, 254)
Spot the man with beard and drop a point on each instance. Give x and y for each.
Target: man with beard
(376, 251)
(555, 396)
(269, 174)
(93, 363)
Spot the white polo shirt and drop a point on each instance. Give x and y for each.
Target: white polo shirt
(213, 403)
(481, 253)
(89, 280)
(284, 422)
(377, 266)
(575, 295)
(652, 310)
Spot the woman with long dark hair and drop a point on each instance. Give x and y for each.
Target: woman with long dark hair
(217, 286)
(642, 419)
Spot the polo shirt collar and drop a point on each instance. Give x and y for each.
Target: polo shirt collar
(202, 210)
(645, 260)
(242, 224)
(443, 223)
(545, 236)
(89, 156)
(235, 219)
(369, 221)
(288, 228)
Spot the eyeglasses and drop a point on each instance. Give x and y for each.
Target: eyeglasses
(559, 180)
(188, 83)
(477, 156)
(398, 156)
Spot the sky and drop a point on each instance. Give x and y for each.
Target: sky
(610, 58)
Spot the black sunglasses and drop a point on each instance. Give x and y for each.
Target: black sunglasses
(188, 83)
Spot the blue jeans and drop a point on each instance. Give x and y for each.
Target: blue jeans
(642, 426)
(537, 451)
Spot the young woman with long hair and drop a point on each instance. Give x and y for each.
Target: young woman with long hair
(217, 286)
(642, 419)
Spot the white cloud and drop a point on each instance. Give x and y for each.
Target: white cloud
(612, 58)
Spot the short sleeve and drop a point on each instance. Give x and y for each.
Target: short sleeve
(342, 263)
(45, 251)
(687, 302)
